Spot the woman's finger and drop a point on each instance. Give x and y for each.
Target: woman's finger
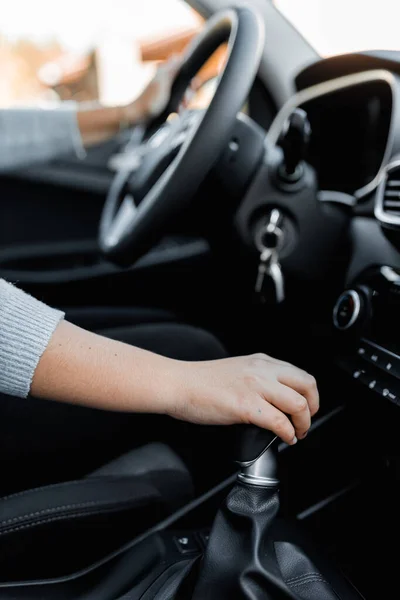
(294, 404)
(303, 383)
(264, 415)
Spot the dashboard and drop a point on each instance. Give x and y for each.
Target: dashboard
(349, 134)
(355, 129)
(352, 104)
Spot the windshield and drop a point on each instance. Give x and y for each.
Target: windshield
(338, 26)
(86, 51)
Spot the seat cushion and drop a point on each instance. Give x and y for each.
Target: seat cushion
(158, 465)
(95, 515)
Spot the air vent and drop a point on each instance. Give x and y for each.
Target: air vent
(391, 194)
(387, 209)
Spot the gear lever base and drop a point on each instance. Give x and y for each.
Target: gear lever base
(262, 471)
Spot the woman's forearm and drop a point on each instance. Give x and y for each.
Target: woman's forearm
(45, 356)
(34, 135)
(98, 123)
(84, 368)
(80, 367)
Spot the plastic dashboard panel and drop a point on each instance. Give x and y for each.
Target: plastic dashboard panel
(345, 83)
(370, 245)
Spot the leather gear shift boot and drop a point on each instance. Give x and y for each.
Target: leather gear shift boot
(240, 560)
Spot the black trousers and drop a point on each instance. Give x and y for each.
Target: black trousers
(44, 442)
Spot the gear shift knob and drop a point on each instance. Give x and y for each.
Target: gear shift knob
(294, 142)
(251, 443)
(257, 461)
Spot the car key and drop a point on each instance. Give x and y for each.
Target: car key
(270, 269)
(263, 267)
(268, 240)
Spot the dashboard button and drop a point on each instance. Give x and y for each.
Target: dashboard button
(375, 356)
(383, 389)
(388, 366)
(361, 350)
(381, 358)
(187, 543)
(358, 373)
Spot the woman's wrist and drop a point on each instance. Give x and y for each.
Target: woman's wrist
(102, 122)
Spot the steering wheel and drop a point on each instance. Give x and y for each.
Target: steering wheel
(171, 165)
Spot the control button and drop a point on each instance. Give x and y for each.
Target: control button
(380, 358)
(383, 390)
(357, 373)
(388, 366)
(187, 543)
(372, 354)
(347, 309)
(367, 379)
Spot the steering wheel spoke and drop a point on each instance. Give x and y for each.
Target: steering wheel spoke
(120, 224)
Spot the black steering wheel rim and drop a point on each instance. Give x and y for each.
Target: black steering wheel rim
(143, 225)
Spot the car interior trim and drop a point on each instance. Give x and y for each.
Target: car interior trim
(326, 88)
(380, 213)
(311, 510)
(356, 310)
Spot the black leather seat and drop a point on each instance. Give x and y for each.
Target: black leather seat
(45, 442)
(91, 516)
(157, 465)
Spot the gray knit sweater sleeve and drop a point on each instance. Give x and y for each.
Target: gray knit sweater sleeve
(32, 135)
(26, 326)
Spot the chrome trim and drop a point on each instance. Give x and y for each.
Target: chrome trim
(357, 308)
(265, 482)
(248, 463)
(262, 471)
(326, 88)
(314, 508)
(380, 214)
(337, 197)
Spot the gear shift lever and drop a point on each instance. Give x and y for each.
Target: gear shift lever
(257, 465)
(240, 558)
(251, 555)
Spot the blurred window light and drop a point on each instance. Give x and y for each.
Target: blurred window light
(339, 26)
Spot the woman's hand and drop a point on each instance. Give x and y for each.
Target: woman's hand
(253, 389)
(99, 123)
(155, 97)
(84, 368)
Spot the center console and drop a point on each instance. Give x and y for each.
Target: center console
(367, 320)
